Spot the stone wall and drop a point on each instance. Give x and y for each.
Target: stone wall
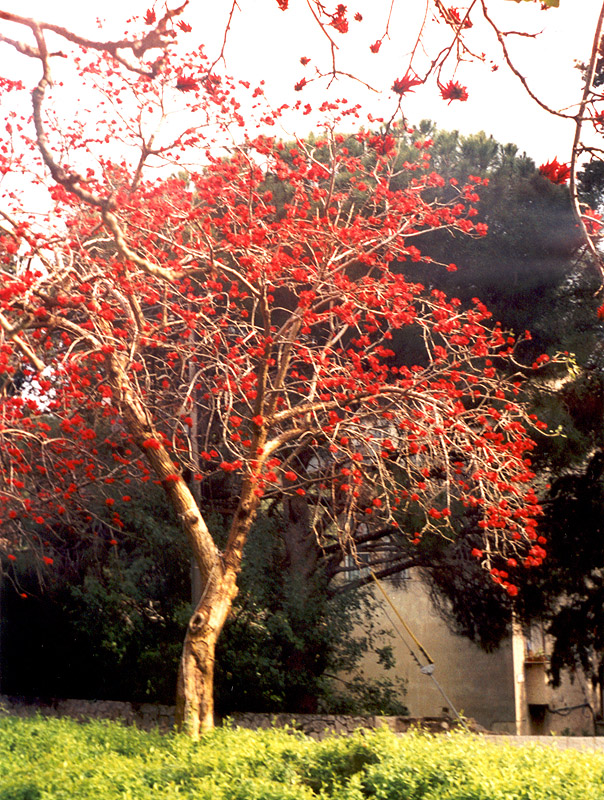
(145, 715)
(319, 725)
(149, 715)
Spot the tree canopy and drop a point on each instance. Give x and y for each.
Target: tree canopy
(165, 319)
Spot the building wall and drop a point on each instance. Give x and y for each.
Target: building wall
(477, 684)
(541, 709)
(504, 691)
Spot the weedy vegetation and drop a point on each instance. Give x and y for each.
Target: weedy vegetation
(42, 759)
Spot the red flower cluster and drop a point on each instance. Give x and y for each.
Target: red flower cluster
(592, 221)
(454, 17)
(338, 19)
(453, 91)
(555, 172)
(403, 85)
(186, 83)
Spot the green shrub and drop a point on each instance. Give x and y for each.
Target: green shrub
(61, 760)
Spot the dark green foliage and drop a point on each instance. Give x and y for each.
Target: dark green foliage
(107, 621)
(518, 268)
(286, 639)
(569, 595)
(61, 760)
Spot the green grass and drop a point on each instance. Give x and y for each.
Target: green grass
(46, 759)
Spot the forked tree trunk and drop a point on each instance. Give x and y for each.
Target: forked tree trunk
(195, 689)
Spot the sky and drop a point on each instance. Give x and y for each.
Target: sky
(267, 43)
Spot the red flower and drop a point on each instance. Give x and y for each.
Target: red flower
(358, 17)
(11, 557)
(555, 172)
(338, 19)
(186, 83)
(149, 17)
(304, 61)
(184, 26)
(227, 466)
(258, 420)
(300, 85)
(477, 553)
(453, 91)
(403, 85)
(283, 4)
(291, 476)
(601, 312)
(511, 590)
(455, 18)
(47, 560)
(375, 48)
(592, 221)
(113, 542)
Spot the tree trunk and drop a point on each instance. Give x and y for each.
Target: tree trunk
(218, 571)
(195, 688)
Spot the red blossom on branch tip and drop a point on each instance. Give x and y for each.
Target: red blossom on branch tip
(150, 17)
(455, 18)
(48, 560)
(555, 172)
(304, 61)
(403, 85)
(375, 47)
(291, 476)
(186, 83)
(184, 26)
(300, 85)
(283, 4)
(453, 91)
(358, 17)
(338, 19)
(601, 312)
(592, 221)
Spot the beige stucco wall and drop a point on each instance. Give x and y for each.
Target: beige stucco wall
(541, 709)
(478, 684)
(500, 690)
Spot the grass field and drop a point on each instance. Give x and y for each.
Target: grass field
(47, 759)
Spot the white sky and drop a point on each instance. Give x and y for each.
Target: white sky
(267, 43)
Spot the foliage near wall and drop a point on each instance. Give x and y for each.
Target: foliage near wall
(107, 761)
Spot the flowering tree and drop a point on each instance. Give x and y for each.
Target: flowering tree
(230, 314)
